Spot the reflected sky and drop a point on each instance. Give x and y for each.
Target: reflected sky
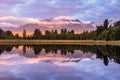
(50, 66)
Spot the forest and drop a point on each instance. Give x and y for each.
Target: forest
(102, 32)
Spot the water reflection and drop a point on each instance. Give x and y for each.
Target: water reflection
(105, 53)
(59, 62)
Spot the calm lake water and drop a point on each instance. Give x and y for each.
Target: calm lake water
(59, 62)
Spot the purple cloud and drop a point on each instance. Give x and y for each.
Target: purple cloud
(85, 10)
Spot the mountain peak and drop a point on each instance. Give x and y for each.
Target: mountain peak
(61, 20)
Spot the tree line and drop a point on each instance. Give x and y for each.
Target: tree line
(37, 34)
(102, 32)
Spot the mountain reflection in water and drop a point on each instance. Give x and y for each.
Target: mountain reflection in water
(69, 52)
(50, 62)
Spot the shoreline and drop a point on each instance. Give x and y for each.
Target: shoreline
(59, 42)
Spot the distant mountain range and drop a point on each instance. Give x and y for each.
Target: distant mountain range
(52, 24)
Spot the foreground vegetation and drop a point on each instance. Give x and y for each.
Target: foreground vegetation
(75, 42)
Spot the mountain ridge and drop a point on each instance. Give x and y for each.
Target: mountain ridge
(52, 24)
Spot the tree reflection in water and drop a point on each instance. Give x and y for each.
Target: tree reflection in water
(103, 52)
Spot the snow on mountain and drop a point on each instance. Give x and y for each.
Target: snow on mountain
(57, 23)
(94, 24)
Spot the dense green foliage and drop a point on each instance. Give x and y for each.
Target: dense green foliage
(37, 34)
(6, 34)
(64, 35)
(103, 32)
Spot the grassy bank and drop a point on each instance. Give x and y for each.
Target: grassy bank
(72, 42)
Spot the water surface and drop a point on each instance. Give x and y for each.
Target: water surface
(59, 62)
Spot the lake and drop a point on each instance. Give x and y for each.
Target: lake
(59, 62)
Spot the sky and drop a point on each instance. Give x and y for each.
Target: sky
(22, 11)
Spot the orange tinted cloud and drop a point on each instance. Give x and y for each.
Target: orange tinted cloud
(14, 20)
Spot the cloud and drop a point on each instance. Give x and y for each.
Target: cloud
(4, 24)
(6, 6)
(16, 59)
(85, 10)
(13, 21)
(18, 20)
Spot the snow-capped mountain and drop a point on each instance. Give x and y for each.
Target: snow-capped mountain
(57, 23)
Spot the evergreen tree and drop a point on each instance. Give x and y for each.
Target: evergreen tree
(56, 32)
(17, 36)
(8, 34)
(2, 34)
(117, 23)
(106, 23)
(72, 32)
(37, 34)
(24, 34)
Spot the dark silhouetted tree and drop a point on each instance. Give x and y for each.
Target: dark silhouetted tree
(8, 34)
(37, 34)
(106, 23)
(24, 34)
(117, 23)
(17, 36)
